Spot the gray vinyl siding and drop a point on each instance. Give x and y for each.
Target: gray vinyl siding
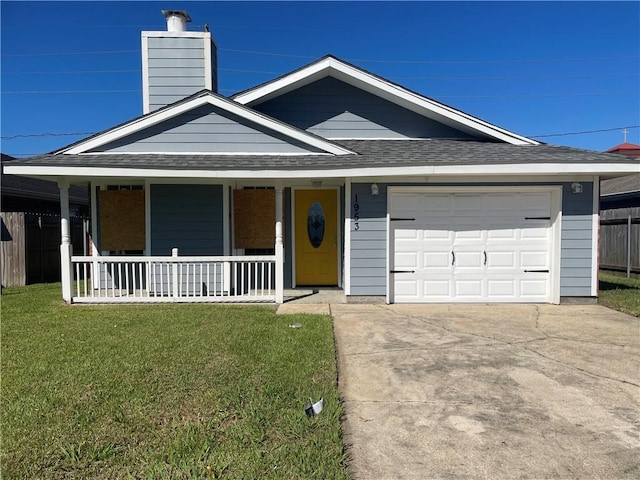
(334, 109)
(188, 217)
(177, 69)
(206, 129)
(369, 244)
(576, 238)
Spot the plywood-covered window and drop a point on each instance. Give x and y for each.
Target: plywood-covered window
(254, 218)
(122, 221)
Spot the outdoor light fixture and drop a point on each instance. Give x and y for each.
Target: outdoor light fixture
(316, 183)
(576, 187)
(374, 189)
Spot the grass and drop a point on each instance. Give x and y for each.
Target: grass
(164, 391)
(620, 293)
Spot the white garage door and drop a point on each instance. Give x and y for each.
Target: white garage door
(470, 247)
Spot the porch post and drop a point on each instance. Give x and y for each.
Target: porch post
(66, 249)
(279, 248)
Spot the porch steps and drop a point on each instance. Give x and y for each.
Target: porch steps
(311, 301)
(315, 295)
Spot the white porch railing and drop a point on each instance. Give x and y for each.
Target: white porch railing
(142, 279)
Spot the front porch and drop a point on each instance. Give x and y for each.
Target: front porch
(175, 279)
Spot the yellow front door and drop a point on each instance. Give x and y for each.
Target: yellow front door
(316, 237)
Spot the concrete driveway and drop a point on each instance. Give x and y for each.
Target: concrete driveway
(525, 391)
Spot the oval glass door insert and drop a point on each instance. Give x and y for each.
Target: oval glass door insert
(315, 224)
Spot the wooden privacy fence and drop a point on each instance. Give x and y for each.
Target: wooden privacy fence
(30, 247)
(620, 240)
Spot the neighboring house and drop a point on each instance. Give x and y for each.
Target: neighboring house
(620, 218)
(30, 216)
(328, 175)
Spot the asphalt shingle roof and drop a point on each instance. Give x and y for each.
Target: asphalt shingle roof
(630, 183)
(369, 153)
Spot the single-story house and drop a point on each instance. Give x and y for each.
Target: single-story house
(328, 175)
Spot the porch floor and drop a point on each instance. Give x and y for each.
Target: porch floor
(315, 295)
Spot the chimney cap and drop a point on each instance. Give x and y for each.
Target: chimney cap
(176, 20)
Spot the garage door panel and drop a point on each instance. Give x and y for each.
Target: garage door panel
(442, 234)
(498, 259)
(502, 234)
(408, 260)
(471, 288)
(534, 288)
(437, 289)
(466, 233)
(534, 259)
(490, 238)
(535, 233)
(501, 288)
(406, 289)
(437, 260)
(406, 233)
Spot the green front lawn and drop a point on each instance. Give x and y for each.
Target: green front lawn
(164, 391)
(620, 293)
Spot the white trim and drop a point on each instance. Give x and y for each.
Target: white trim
(390, 291)
(145, 75)
(556, 243)
(481, 171)
(204, 99)
(167, 34)
(394, 93)
(347, 237)
(94, 218)
(556, 232)
(595, 236)
(339, 238)
(229, 154)
(208, 78)
(147, 216)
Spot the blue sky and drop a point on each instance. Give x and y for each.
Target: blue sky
(535, 68)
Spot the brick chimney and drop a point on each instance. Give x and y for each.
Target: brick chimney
(176, 63)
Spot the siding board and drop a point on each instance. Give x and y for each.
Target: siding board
(335, 109)
(188, 217)
(206, 129)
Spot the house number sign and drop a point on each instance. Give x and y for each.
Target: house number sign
(356, 213)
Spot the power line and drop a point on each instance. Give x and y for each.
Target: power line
(106, 52)
(73, 72)
(583, 132)
(542, 95)
(46, 134)
(437, 62)
(239, 70)
(51, 134)
(36, 92)
(426, 62)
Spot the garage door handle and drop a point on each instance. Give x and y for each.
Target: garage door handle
(403, 271)
(453, 258)
(536, 271)
(485, 257)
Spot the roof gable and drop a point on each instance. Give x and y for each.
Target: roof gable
(330, 66)
(335, 109)
(210, 117)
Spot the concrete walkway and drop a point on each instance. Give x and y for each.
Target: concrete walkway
(499, 392)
